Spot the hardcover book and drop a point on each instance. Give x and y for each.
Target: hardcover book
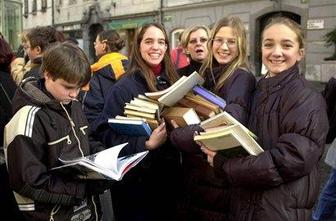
(208, 95)
(131, 127)
(102, 165)
(181, 115)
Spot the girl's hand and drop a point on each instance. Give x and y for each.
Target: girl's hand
(210, 154)
(158, 137)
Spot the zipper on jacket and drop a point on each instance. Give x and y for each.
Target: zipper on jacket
(95, 207)
(73, 129)
(53, 212)
(60, 140)
(83, 129)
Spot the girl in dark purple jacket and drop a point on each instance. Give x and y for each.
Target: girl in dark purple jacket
(289, 118)
(226, 74)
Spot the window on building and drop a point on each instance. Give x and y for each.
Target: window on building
(175, 37)
(34, 7)
(44, 5)
(26, 8)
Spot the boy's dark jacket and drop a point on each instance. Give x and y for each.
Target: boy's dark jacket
(41, 131)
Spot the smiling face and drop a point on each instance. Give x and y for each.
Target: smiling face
(280, 48)
(153, 46)
(197, 45)
(225, 45)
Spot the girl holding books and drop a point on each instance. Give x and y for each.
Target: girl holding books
(148, 191)
(226, 74)
(194, 42)
(289, 117)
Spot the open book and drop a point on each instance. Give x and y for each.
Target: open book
(102, 165)
(225, 132)
(178, 90)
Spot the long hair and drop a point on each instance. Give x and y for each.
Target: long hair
(239, 62)
(138, 64)
(6, 55)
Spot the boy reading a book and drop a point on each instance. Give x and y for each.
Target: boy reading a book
(49, 125)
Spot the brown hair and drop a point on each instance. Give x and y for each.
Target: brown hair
(43, 37)
(68, 62)
(186, 33)
(295, 27)
(112, 39)
(137, 63)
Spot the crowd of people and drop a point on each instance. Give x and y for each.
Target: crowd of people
(55, 105)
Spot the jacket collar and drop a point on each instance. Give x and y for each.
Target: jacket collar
(272, 84)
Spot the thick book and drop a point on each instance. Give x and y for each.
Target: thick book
(151, 122)
(102, 165)
(157, 94)
(183, 116)
(200, 100)
(179, 89)
(203, 111)
(223, 131)
(228, 137)
(208, 95)
(131, 127)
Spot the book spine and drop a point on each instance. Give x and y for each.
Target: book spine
(209, 96)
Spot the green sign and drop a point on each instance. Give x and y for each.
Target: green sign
(129, 23)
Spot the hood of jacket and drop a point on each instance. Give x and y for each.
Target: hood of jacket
(32, 92)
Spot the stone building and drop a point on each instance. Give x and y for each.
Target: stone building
(82, 19)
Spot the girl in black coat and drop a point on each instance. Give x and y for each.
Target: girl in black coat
(148, 191)
(289, 118)
(226, 74)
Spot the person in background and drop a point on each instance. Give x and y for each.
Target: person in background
(105, 72)
(289, 118)
(194, 42)
(226, 74)
(149, 191)
(8, 87)
(179, 58)
(37, 41)
(326, 206)
(49, 125)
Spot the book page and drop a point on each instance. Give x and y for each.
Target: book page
(109, 158)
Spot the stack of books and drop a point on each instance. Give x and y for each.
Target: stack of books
(224, 132)
(141, 117)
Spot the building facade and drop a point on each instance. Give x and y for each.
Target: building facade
(83, 19)
(11, 21)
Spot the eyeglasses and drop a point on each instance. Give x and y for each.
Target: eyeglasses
(230, 43)
(195, 40)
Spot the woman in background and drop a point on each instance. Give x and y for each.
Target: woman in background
(194, 42)
(105, 72)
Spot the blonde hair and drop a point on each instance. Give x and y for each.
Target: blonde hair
(186, 34)
(240, 61)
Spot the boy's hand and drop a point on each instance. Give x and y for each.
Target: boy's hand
(158, 137)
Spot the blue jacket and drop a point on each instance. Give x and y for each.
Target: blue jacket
(105, 73)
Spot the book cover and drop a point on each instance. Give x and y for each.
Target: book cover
(131, 127)
(202, 101)
(201, 110)
(102, 165)
(229, 137)
(180, 88)
(181, 115)
(209, 96)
